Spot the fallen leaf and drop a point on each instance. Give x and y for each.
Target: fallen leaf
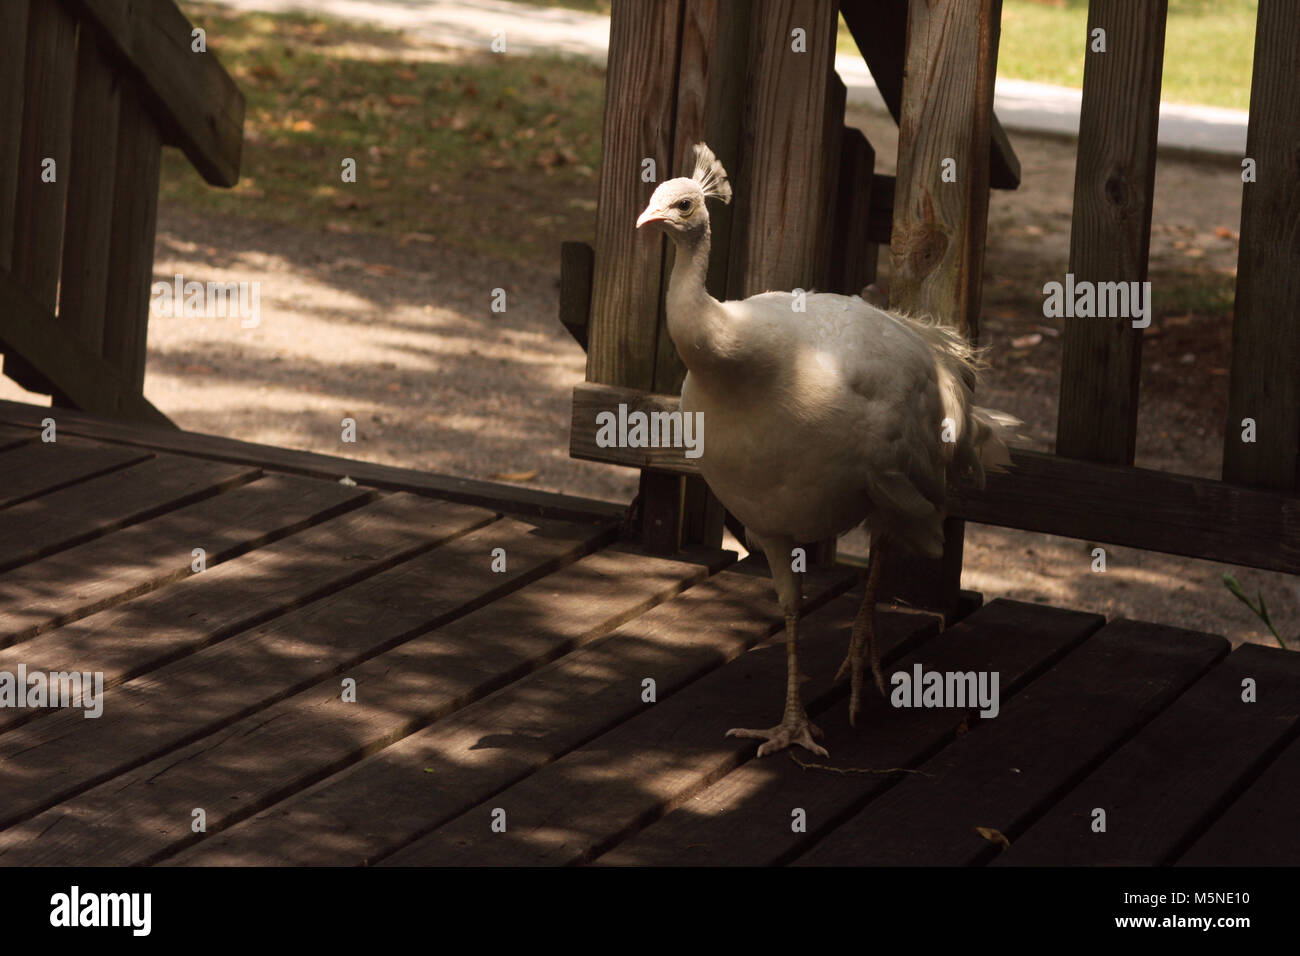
(994, 836)
(1050, 332)
(1223, 232)
(379, 269)
(513, 475)
(409, 237)
(393, 387)
(342, 227)
(303, 126)
(345, 480)
(1026, 341)
(408, 75)
(402, 99)
(202, 369)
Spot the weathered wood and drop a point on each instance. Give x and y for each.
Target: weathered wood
(591, 399)
(92, 508)
(47, 90)
(853, 255)
(81, 376)
(465, 758)
(1110, 233)
(831, 167)
(92, 178)
(879, 28)
(313, 732)
(880, 222)
(1265, 377)
(662, 501)
(274, 661)
(703, 516)
(576, 262)
(782, 199)
(743, 819)
(38, 468)
(571, 810)
(1044, 740)
(135, 212)
(486, 494)
(131, 639)
(1176, 514)
(641, 78)
(1162, 787)
(1259, 828)
(13, 68)
(189, 92)
(115, 568)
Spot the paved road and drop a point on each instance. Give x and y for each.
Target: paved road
(1020, 105)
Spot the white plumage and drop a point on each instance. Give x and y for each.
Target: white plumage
(818, 420)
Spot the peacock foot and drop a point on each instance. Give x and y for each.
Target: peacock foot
(853, 667)
(794, 729)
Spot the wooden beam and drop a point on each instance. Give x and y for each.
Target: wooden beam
(782, 200)
(1115, 504)
(591, 399)
(195, 101)
(89, 382)
(13, 65)
(639, 95)
(576, 262)
(879, 28)
(1265, 382)
(84, 284)
(1138, 508)
(1111, 231)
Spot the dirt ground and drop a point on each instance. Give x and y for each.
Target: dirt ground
(402, 338)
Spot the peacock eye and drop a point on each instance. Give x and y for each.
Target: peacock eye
(684, 205)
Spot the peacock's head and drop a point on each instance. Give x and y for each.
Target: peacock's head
(677, 206)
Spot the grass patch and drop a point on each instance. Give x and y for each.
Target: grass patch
(1209, 47)
(493, 153)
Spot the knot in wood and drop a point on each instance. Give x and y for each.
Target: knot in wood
(918, 248)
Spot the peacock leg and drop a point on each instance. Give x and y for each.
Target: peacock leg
(864, 633)
(795, 727)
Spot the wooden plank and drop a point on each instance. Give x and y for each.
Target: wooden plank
(304, 737)
(879, 28)
(1259, 828)
(591, 399)
(827, 240)
(189, 92)
(13, 67)
(1139, 508)
(570, 810)
(880, 224)
(95, 507)
(37, 468)
(138, 636)
(1110, 233)
(380, 805)
(1265, 377)
(782, 197)
(486, 494)
(109, 570)
(639, 95)
(47, 90)
(577, 259)
(1043, 742)
(92, 180)
(14, 438)
(211, 689)
(744, 818)
(1164, 787)
(135, 213)
(661, 511)
(853, 255)
(83, 378)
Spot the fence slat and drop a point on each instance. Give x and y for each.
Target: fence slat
(639, 96)
(84, 287)
(781, 204)
(1111, 231)
(1265, 382)
(854, 256)
(135, 210)
(13, 63)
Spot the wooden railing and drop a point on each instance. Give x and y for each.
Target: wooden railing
(775, 134)
(90, 92)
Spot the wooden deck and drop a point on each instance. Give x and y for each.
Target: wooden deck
(521, 690)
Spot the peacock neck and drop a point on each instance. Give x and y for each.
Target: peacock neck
(696, 321)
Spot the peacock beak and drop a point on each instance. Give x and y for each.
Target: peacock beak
(650, 215)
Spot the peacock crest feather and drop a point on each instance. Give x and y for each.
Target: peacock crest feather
(710, 174)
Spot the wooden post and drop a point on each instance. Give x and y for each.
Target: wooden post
(853, 255)
(13, 62)
(937, 248)
(1111, 231)
(1265, 383)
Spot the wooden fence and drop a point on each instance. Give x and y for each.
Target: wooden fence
(90, 92)
(716, 70)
